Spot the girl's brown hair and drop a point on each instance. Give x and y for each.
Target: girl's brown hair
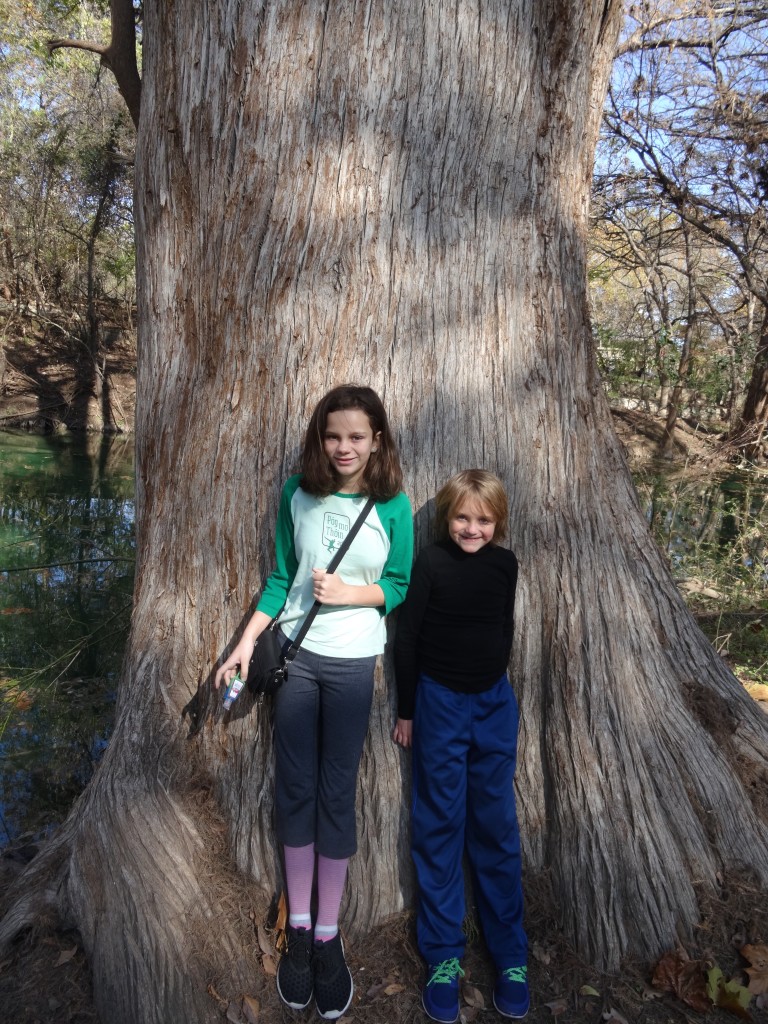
(383, 478)
(477, 487)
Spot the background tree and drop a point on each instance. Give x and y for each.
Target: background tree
(686, 108)
(670, 317)
(67, 262)
(398, 194)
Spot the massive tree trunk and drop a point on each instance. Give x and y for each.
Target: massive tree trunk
(396, 194)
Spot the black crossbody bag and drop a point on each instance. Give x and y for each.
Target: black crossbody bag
(269, 662)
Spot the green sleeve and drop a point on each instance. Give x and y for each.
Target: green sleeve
(279, 582)
(396, 517)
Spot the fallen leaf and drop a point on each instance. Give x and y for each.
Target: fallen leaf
(282, 920)
(219, 999)
(251, 1009)
(676, 973)
(65, 956)
(473, 997)
(393, 989)
(540, 954)
(739, 937)
(612, 1015)
(649, 993)
(728, 995)
(264, 944)
(269, 965)
(758, 971)
(587, 990)
(233, 1014)
(557, 1006)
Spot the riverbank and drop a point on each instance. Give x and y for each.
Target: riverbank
(50, 382)
(53, 379)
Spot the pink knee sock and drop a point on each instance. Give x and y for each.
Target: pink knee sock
(331, 876)
(299, 873)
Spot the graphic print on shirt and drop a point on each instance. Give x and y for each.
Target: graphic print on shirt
(335, 529)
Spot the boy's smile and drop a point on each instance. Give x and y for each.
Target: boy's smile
(471, 528)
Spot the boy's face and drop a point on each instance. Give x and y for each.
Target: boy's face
(471, 527)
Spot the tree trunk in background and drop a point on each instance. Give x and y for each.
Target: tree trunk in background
(394, 194)
(675, 400)
(749, 433)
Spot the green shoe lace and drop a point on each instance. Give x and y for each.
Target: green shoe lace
(518, 974)
(446, 972)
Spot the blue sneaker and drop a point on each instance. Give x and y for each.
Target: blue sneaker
(440, 996)
(511, 996)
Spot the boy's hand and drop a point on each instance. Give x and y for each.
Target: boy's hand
(403, 732)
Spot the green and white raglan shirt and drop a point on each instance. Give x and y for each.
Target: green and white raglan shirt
(309, 532)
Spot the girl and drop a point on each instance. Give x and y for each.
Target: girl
(455, 704)
(322, 709)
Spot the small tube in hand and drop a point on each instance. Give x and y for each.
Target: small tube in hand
(233, 692)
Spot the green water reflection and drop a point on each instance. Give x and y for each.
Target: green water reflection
(66, 555)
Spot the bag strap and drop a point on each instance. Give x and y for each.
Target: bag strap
(293, 648)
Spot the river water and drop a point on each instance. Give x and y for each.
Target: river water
(66, 573)
(66, 551)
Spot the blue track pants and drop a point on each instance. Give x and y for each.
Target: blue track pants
(464, 750)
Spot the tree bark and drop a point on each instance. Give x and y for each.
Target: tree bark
(394, 194)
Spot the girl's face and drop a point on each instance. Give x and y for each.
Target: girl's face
(348, 443)
(471, 527)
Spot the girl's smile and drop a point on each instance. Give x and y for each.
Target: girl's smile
(471, 528)
(348, 443)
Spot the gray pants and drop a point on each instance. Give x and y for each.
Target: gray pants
(321, 721)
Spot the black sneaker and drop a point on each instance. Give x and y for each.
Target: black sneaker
(294, 972)
(333, 982)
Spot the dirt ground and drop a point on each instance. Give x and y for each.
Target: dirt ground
(45, 978)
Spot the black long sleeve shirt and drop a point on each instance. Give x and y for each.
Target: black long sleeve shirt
(456, 623)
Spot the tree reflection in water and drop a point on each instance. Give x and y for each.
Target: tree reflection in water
(66, 555)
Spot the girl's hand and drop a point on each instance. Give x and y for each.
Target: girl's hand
(238, 659)
(330, 588)
(403, 732)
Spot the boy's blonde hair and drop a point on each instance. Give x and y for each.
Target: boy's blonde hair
(477, 487)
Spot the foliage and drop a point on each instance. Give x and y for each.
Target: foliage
(678, 201)
(64, 163)
(66, 558)
(715, 535)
